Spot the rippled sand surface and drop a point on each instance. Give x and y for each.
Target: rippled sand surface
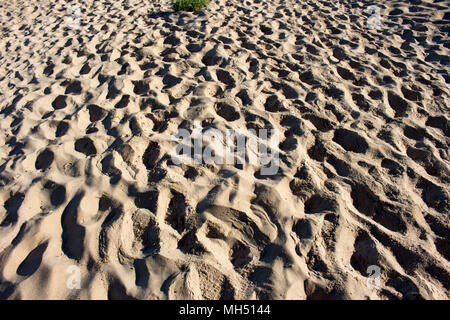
(92, 93)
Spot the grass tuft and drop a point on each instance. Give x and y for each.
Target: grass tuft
(189, 5)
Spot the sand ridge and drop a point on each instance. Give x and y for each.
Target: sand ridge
(87, 117)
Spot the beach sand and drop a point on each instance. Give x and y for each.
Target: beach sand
(92, 205)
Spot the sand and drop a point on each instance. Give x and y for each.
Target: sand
(92, 205)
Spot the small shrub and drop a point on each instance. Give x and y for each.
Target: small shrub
(189, 5)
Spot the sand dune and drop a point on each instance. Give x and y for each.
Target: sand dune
(92, 95)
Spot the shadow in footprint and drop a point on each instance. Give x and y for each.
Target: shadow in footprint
(110, 170)
(113, 92)
(48, 71)
(140, 87)
(147, 200)
(226, 111)
(123, 102)
(73, 233)
(350, 140)
(6, 289)
(142, 274)
(59, 102)
(85, 69)
(32, 261)
(189, 244)
(74, 87)
(58, 193)
(170, 81)
(12, 205)
(225, 77)
(96, 113)
(399, 105)
(151, 155)
(117, 291)
(44, 159)
(178, 212)
(61, 129)
(86, 146)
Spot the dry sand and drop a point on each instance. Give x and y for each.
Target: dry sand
(87, 116)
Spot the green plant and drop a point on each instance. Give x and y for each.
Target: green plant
(189, 5)
(4, 35)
